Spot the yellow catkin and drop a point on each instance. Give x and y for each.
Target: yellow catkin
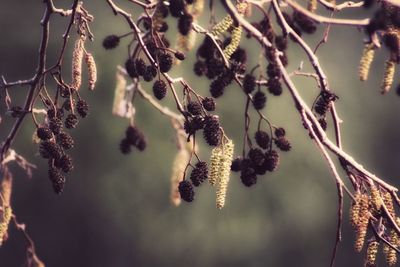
(355, 210)
(372, 250)
(362, 226)
(388, 201)
(388, 78)
(216, 155)
(376, 199)
(233, 45)
(5, 215)
(366, 60)
(92, 70)
(224, 171)
(4, 222)
(312, 5)
(222, 26)
(391, 255)
(77, 57)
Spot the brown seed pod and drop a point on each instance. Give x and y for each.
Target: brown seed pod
(92, 70)
(362, 226)
(77, 57)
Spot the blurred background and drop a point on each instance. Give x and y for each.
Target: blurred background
(115, 209)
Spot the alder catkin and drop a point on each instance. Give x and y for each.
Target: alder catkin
(222, 26)
(366, 60)
(388, 201)
(391, 255)
(92, 70)
(215, 159)
(5, 215)
(376, 199)
(388, 78)
(4, 222)
(355, 210)
(233, 45)
(224, 171)
(362, 226)
(77, 57)
(372, 250)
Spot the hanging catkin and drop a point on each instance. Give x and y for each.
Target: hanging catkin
(366, 60)
(362, 223)
(5, 215)
(233, 45)
(215, 159)
(92, 70)
(355, 210)
(388, 78)
(77, 57)
(222, 26)
(224, 171)
(376, 199)
(372, 250)
(388, 201)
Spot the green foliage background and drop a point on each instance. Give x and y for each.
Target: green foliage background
(115, 210)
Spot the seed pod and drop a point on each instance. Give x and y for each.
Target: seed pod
(111, 41)
(199, 173)
(44, 133)
(215, 159)
(234, 44)
(92, 70)
(388, 78)
(363, 223)
(211, 132)
(222, 26)
(355, 210)
(208, 104)
(77, 57)
(186, 191)
(366, 60)
(224, 171)
(372, 250)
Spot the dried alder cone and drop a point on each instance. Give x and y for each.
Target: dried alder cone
(222, 59)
